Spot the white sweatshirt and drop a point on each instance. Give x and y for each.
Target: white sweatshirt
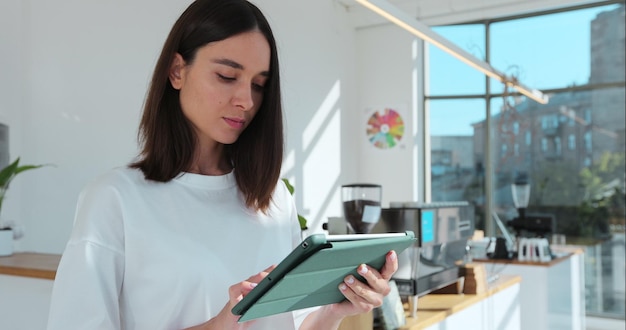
(149, 255)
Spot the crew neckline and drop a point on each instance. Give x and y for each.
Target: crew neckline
(207, 181)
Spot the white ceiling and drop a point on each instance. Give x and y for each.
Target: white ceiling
(438, 12)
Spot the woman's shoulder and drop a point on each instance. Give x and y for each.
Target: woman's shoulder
(282, 197)
(119, 177)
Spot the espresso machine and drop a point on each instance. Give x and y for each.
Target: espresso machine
(443, 229)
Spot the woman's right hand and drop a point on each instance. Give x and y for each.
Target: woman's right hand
(226, 320)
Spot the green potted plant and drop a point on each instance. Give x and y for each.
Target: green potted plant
(302, 220)
(8, 230)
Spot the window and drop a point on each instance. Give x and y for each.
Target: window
(549, 121)
(571, 142)
(447, 74)
(577, 56)
(455, 161)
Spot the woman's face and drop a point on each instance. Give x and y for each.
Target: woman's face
(222, 90)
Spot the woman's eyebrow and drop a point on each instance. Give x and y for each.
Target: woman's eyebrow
(235, 65)
(227, 62)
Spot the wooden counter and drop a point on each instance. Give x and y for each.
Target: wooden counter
(28, 264)
(562, 252)
(435, 308)
(432, 308)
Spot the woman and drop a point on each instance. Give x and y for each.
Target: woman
(160, 244)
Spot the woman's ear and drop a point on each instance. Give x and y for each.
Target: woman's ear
(176, 71)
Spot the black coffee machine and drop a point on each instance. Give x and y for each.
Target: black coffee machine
(443, 229)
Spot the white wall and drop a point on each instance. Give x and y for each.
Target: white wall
(74, 76)
(386, 65)
(11, 81)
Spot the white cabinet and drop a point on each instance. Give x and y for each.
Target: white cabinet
(24, 302)
(551, 295)
(503, 310)
(499, 311)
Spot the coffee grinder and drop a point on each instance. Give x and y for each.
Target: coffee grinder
(361, 206)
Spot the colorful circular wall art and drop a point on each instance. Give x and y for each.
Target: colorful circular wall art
(385, 129)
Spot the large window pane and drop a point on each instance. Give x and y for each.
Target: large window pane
(450, 76)
(572, 150)
(457, 172)
(553, 51)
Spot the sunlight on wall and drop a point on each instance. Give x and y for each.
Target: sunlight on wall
(321, 115)
(414, 111)
(289, 162)
(321, 144)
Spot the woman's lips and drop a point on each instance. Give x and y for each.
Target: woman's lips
(234, 122)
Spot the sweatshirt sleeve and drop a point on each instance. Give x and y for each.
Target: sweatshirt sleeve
(88, 282)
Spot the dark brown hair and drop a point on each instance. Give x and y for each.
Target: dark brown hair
(166, 136)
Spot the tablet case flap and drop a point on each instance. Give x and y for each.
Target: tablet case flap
(315, 281)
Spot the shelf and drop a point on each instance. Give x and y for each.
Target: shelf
(29, 264)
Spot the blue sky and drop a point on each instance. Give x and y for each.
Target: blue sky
(543, 52)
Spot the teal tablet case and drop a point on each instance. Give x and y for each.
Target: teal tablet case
(310, 275)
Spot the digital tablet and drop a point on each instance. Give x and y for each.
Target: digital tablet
(310, 275)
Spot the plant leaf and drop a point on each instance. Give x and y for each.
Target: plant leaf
(302, 221)
(289, 186)
(26, 168)
(8, 172)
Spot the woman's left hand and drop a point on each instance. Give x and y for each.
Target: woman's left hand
(362, 297)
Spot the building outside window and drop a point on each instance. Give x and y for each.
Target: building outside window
(576, 56)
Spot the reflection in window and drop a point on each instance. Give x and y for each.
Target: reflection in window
(557, 145)
(528, 138)
(544, 144)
